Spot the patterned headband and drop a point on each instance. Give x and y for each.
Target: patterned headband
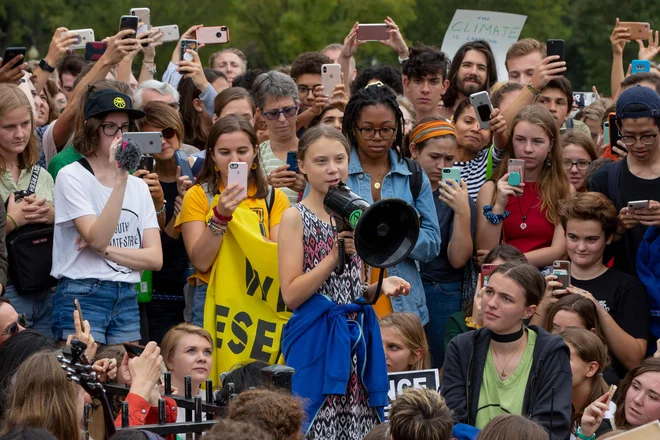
(432, 129)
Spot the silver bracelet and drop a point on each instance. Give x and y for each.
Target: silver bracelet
(162, 209)
(215, 228)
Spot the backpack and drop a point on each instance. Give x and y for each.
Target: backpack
(30, 252)
(270, 199)
(416, 177)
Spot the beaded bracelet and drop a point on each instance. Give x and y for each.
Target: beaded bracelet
(531, 88)
(221, 217)
(13, 221)
(492, 217)
(216, 229)
(163, 208)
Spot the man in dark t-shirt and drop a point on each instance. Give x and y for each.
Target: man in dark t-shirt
(636, 177)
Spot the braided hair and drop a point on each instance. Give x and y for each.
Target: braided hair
(373, 94)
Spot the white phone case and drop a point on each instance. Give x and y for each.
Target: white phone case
(170, 32)
(84, 36)
(143, 15)
(330, 77)
(482, 107)
(238, 173)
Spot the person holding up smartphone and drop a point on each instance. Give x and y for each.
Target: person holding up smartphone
(526, 215)
(433, 145)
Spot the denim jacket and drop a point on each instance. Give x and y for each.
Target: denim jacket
(395, 185)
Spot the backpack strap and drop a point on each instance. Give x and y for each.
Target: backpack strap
(85, 164)
(209, 195)
(270, 201)
(613, 183)
(32, 187)
(416, 178)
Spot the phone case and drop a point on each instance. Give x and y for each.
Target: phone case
(330, 77)
(453, 173)
(482, 107)
(94, 50)
(146, 163)
(486, 271)
(638, 30)
(84, 36)
(372, 32)
(238, 173)
(213, 35)
(185, 45)
(150, 142)
(13, 52)
(516, 169)
(556, 47)
(182, 161)
(143, 15)
(583, 99)
(292, 160)
(638, 204)
(641, 66)
(128, 22)
(614, 130)
(170, 32)
(562, 270)
(606, 132)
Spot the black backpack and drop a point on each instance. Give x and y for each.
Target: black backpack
(416, 178)
(30, 252)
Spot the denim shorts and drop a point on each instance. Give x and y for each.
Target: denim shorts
(37, 306)
(111, 308)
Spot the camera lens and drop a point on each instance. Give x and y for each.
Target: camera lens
(218, 34)
(325, 70)
(223, 28)
(233, 165)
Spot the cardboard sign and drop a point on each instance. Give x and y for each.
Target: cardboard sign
(499, 29)
(410, 379)
(650, 431)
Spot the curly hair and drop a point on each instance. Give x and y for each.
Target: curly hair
(308, 63)
(451, 95)
(420, 414)
(388, 75)
(234, 430)
(277, 413)
(425, 60)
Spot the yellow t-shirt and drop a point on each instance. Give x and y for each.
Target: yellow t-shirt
(195, 208)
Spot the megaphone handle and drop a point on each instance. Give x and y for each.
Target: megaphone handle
(342, 256)
(378, 287)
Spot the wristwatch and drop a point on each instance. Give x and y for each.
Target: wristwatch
(43, 65)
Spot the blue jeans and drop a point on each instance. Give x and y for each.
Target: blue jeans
(199, 298)
(442, 300)
(38, 308)
(111, 308)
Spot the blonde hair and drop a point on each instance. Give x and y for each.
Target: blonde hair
(420, 414)
(12, 98)
(409, 327)
(42, 397)
(553, 183)
(174, 335)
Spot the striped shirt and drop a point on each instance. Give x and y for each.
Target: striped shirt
(269, 163)
(473, 172)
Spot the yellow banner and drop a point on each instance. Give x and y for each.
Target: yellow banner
(244, 310)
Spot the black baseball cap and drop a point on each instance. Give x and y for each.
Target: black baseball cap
(644, 97)
(106, 101)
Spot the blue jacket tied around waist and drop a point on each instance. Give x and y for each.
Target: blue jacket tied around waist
(648, 270)
(318, 341)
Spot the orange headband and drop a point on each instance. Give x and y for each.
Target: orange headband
(431, 129)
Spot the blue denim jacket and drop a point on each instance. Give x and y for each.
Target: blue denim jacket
(396, 185)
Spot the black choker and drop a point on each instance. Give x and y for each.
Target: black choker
(511, 337)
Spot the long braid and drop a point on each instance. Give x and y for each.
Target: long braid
(372, 95)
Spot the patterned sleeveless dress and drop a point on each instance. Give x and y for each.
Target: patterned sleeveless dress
(347, 417)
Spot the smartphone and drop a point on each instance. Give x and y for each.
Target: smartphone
(238, 173)
(182, 160)
(611, 392)
(641, 66)
(292, 160)
(453, 173)
(150, 141)
(583, 99)
(128, 22)
(76, 304)
(146, 163)
(614, 132)
(555, 47)
(486, 271)
(143, 15)
(638, 30)
(13, 52)
(562, 270)
(213, 35)
(84, 36)
(372, 32)
(330, 77)
(133, 350)
(606, 132)
(638, 204)
(516, 170)
(94, 50)
(170, 32)
(482, 107)
(185, 45)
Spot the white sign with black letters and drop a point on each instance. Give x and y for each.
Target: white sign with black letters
(410, 379)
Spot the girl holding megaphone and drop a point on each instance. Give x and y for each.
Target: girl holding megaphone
(328, 326)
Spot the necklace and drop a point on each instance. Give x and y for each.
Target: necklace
(503, 373)
(523, 218)
(377, 184)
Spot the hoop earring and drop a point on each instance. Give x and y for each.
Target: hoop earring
(215, 167)
(254, 166)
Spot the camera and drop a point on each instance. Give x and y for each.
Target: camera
(325, 69)
(218, 34)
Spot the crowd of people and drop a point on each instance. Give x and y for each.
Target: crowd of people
(535, 291)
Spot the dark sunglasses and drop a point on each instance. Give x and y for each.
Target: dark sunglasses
(168, 133)
(12, 329)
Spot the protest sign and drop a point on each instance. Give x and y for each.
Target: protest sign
(410, 379)
(499, 29)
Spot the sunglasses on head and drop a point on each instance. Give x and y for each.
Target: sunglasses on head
(12, 329)
(168, 133)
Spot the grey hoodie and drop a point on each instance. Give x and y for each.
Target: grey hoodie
(549, 386)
